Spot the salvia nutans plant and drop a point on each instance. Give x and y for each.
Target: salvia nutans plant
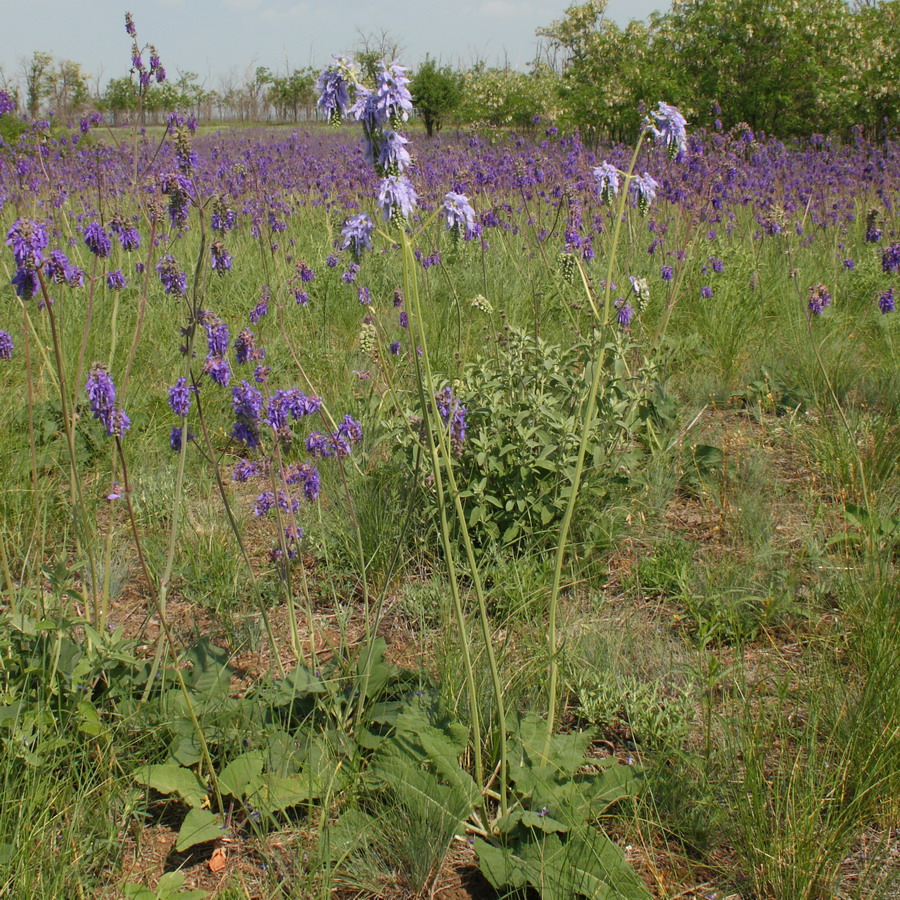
(252, 351)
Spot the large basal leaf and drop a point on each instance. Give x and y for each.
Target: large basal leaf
(199, 826)
(242, 772)
(172, 779)
(500, 865)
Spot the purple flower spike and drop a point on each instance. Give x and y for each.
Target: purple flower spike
(97, 240)
(6, 345)
(180, 398)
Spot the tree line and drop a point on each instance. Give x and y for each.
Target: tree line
(780, 66)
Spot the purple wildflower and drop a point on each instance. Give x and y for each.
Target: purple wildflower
(102, 398)
(644, 188)
(221, 258)
(115, 280)
(245, 348)
(670, 128)
(174, 281)
(397, 197)
(245, 470)
(334, 89)
(307, 475)
(365, 298)
(886, 301)
(706, 292)
(458, 214)
(6, 345)
(607, 177)
(27, 239)
(453, 414)
(180, 398)
(819, 298)
(666, 273)
(175, 438)
(890, 259)
(97, 240)
(357, 235)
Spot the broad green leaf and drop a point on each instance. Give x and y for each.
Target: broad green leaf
(241, 772)
(199, 826)
(171, 779)
(500, 865)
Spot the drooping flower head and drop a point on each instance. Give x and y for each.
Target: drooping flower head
(334, 89)
(458, 214)
(393, 99)
(607, 177)
(670, 128)
(644, 188)
(357, 234)
(397, 197)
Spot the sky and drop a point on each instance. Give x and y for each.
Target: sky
(213, 38)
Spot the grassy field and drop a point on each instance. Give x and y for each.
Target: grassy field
(597, 588)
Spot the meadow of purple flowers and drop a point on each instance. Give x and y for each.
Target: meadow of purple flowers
(236, 325)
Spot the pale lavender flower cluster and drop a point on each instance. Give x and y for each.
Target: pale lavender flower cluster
(669, 128)
(644, 188)
(458, 214)
(334, 89)
(607, 178)
(357, 234)
(381, 112)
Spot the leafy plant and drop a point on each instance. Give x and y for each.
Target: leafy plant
(524, 425)
(548, 840)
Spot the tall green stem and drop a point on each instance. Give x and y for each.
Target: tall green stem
(589, 410)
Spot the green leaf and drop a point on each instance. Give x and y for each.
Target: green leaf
(272, 793)
(134, 891)
(199, 826)
(500, 865)
(242, 772)
(172, 779)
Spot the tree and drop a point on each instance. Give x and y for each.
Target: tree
(67, 88)
(436, 92)
(34, 72)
